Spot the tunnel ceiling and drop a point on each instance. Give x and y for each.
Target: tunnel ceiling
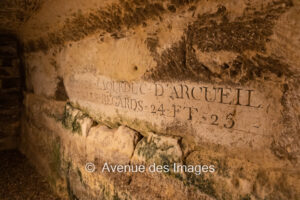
(44, 24)
(15, 12)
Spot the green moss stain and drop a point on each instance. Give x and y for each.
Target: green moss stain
(202, 183)
(67, 118)
(154, 152)
(76, 127)
(52, 181)
(246, 197)
(166, 160)
(55, 162)
(147, 150)
(116, 197)
(205, 185)
(73, 122)
(71, 194)
(222, 167)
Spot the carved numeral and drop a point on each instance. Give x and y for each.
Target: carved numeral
(215, 118)
(230, 120)
(153, 109)
(161, 109)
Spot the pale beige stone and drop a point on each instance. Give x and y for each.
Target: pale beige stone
(255, 148)
(85, 124)
(111, 145)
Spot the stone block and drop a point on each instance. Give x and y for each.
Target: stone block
(76, 121)
(85, 123)
(115, 146)
(238, 176)
(158, 149)
(40, 111)
(218, 80)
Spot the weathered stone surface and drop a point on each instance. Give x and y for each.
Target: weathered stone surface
(115, 146)
(156, 149)
(204, 82)
(204, 111)
(238, 177)
(42, 80)
(14, 13)
(76, 121)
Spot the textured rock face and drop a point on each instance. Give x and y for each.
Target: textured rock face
(173, 81)
(116, 146)
(14, 13)
(158, 149)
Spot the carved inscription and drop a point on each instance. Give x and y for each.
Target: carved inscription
(182, 101)
(217, 113)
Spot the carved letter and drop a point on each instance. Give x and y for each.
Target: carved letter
(174, 91)
(175, 109)
(191, 112)
(192, 93)
(223, 95)
(157, 92)
(238, 95)
(206, 95)
(187, 91)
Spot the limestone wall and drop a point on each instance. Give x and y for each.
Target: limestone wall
(10, 92)
(187, 82)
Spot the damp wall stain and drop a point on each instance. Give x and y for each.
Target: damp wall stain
(214, 32)
(112, 19)
(14, 13)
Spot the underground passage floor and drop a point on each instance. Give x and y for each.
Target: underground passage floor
(20, 181)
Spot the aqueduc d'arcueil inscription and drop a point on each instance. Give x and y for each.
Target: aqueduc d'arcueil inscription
(198, 105)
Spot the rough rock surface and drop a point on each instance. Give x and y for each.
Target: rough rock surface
(116, 146)
(158, 149)
(168, 81)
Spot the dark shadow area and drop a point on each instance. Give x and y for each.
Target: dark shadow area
(11, 86)
(20, 181)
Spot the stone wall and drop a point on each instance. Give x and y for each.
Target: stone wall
(10, 92)
(174, 81)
